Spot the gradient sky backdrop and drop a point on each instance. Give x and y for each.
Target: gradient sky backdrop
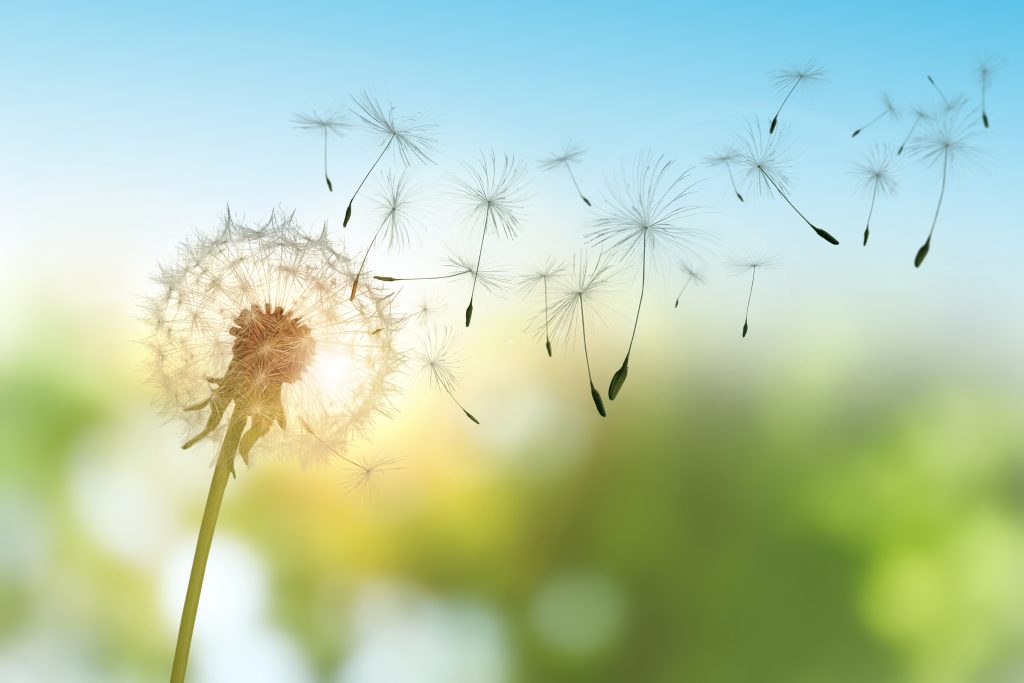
(123, 128)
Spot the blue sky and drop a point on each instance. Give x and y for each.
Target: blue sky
(125, 127)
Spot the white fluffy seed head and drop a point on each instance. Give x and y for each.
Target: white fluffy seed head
(258, 318)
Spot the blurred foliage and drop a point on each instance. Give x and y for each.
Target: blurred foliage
(762, 531)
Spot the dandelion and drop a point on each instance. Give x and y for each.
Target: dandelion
(874, 175)
(645, 217)
(426, 310)
(726, 157)
(946, 141)
(985, 71)
(786, 80)
(571, 154)
(327, 124)
(888, 110)
(543, 277)
(765, 162)
(363, 469)
(949, 104)
(395, 202)
(920, 116)
(460, 265)
(693, 276)
(582, 293)
(412, 140)
(438, 363)
(743, 264)
(251, 325)
(493, 193)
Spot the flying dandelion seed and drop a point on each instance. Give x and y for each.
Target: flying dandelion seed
(582, 293)
(743, 264)
(396, 200)
(543, 277)
(438, 363)
(411, 139)
(647, 209)
(985, 70)
(786, 80)
(765, 162)
(874, 175)
(492, 279)
(947, 141)
(920, 116)
(328, 124)
(493, 193)
(949, 104)
(253, 325)
(693, 276)
(726, 157)
(427, 309)
(570, 154)
(364, 470)
(889, 111)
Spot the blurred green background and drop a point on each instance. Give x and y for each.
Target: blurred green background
(822, 517)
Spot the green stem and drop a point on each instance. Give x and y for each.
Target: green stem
(224, 468)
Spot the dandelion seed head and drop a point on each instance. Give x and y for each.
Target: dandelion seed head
(396, 201)
(722, 157)
(588, 283)
(764, 160)
(329, 123)
(891, 110)
(737, 264)
(692, 272)
(648, 206)
(412, 139)
(875, 172)
(784, 79)
(256, 320)
(493, 279)
(493, 192)
(545, 273)
(570, 153)
(436, 358)
(947, 139)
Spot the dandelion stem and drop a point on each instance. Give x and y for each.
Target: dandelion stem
(984, 114)
(388, 278)
(732, 180)
(330, 187)
(874, 120)
(547, 316)
(576, 185)
(348, 210)
(619, 378)
(362, 264)
(221, 472)
(907, 139)
(750, 295)
(594, 393)
(685, 285)
(463, 408)
(923, 251)
(821, 233)
(941, 94)
(775, 119)
(867, 226)
(479, 258)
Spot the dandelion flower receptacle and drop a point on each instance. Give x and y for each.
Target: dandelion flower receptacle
(254, 325)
